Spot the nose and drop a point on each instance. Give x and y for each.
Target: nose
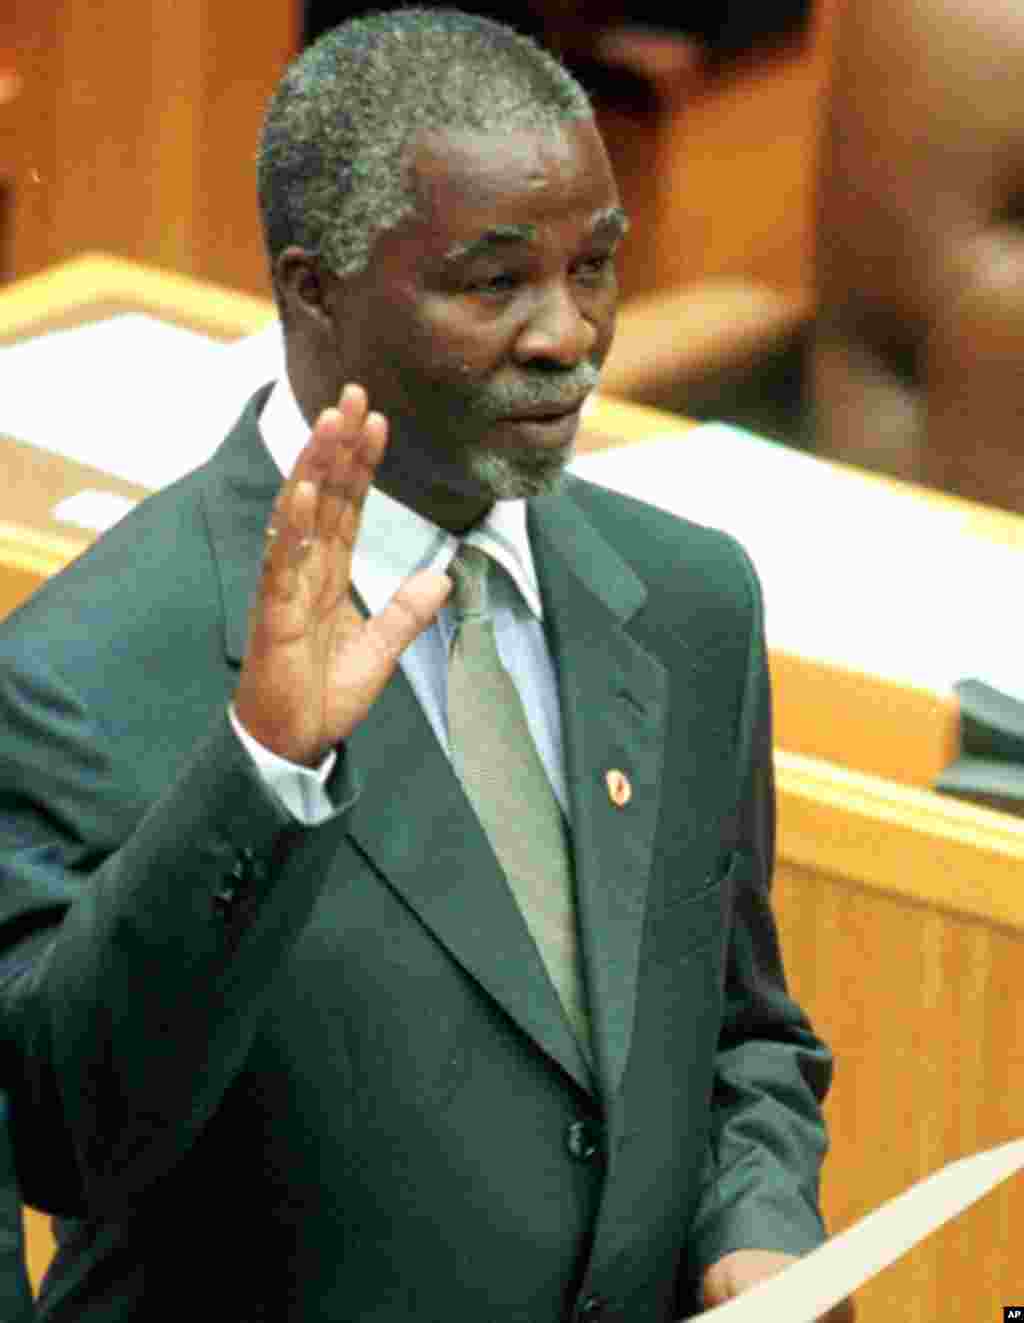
(556, 330)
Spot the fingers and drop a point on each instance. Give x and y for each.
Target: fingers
(289, 537)
(318, 510)
(341, 458)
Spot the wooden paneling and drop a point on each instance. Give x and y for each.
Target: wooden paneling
(902, 921)
(135, 129)
(136, 122)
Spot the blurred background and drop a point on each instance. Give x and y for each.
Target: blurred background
(828, 198)
(128, 127)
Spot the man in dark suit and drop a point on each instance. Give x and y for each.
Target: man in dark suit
(307, 1028)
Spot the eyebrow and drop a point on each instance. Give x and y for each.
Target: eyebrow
(611, 222)
(501, 236)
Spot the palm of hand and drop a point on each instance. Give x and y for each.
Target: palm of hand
(314, 664)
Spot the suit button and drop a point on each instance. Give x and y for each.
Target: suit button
(591, 1310)
(223, 899)
(245, 868)
(584, 1140)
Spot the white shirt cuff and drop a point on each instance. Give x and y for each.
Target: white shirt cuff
(302, 790)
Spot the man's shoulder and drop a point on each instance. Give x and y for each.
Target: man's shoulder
(151, 569)
(661, 540)
(693, 581)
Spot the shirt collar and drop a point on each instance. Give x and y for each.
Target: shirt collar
(394, 541)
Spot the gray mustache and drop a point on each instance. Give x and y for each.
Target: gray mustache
(545, 392)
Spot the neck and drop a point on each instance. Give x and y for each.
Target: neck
(451, 509)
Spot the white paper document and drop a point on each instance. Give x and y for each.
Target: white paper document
(131, 395)
(853, 571)
(807, 1289)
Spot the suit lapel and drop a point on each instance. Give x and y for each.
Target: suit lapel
(614, 707)
(414, 823)
(244, 482)
(412, 820)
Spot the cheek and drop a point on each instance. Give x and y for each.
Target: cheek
(435, 378)
(461, 343)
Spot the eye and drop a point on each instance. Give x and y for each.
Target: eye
(494, 285)
(1012, 213)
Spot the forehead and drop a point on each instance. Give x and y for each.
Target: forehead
(537, 181)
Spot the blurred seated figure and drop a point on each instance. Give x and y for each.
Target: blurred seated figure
(918, 362)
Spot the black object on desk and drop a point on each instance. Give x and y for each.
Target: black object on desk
(990, 768)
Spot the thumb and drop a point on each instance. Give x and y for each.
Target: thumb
(414, 606)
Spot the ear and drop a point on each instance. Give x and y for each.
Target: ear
(305, 288)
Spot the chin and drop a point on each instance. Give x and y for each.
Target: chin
(518, 476)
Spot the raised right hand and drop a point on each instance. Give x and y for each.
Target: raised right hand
(314, 665)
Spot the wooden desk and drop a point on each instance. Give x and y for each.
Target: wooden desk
(902, 913)
(33, 543)
(94, 286)
(902, 919)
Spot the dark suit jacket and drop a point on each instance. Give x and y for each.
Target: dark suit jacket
(293, 1073)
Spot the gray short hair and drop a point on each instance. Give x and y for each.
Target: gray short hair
(332, 156)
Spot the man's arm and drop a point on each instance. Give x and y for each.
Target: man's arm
(140, 936)
(761, 1205)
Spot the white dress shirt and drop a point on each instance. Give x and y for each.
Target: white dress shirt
(393, 543)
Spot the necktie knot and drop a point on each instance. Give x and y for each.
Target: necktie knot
(469, 570)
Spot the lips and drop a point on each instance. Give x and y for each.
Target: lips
(546, 413)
